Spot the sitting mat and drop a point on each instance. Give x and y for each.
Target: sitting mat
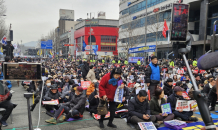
(74, 119)
(191, 126)
(214, 116)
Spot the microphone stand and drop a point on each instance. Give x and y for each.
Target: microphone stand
(198, 96)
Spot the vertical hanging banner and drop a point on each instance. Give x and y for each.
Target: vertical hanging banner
(180, 14)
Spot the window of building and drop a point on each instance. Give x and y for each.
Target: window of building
(108, 39)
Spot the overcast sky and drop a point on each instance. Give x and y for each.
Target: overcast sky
(31, 19)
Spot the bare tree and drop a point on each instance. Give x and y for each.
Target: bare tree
(155, 26)
(130, 34)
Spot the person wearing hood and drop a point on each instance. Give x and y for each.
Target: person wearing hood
(107, 88)
(168, 87)
(152, 78)
(74, 108)
(172, 99)
(51, 95)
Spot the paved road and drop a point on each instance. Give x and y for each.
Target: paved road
(20, 118)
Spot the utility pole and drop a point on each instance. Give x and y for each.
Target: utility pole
(205, 28)
(146, 28)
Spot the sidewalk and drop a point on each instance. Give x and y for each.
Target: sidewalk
(20, 117)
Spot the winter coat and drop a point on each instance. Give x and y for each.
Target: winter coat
(132, 95)
(90, 89)
(49, 95)
(85, 69)
(137, 108)
(172, 99)
(167, 89)
(91, 75)
(155, 107)
(66, 90)
(206, 89)
(126, 93)
(107, 89)
(148, 73)
(93, 102)
(77, 102)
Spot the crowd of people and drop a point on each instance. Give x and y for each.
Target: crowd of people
(146, 88)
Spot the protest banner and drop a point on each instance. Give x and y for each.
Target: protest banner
(53, 102)
(97, 117)
(147, 126)
(118, 97)
(185, 95)
(186, 105)
(166, 108)
(85, 84)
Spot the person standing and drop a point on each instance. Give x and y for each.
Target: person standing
(152, 73)
(107, 88)
(91, 75)
(194, 63)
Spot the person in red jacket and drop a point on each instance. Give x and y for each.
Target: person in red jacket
(107, 88)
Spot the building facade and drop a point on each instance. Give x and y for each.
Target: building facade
(104, 36)
(132, 24)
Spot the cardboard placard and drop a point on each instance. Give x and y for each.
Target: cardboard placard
(85, 84)
(166, 108)
(147, 126)
(54, 102)
(185, 105)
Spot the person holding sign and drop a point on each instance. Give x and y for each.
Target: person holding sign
(107, 88)
(139, 109)
(156, 104)
(172, 99)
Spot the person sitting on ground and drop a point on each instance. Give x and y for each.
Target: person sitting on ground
(51, 95)
(94, 101)
(181, 115)
(168, 87)
(74, 108)
(139, 109)
(6, 104)
(92, 87)
(155, 106)
(67, 90)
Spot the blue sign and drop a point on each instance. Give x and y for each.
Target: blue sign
(142, 49)
(135, 59)
(46, 44)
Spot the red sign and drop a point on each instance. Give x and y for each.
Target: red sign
(185, 96)
(68, 44)
(156, 10)
(85, 84)
(87, 53)
(202, 71)
(180, 71)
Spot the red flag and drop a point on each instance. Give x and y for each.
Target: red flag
(165, 28)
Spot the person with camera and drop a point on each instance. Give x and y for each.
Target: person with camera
(74, 108)
(107, 88)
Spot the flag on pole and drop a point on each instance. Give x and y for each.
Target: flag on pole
(4, 40)
(165, 28)
(51, 52)
(41, 53)
(38, 53)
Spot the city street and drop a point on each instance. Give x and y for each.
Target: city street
(20, 118)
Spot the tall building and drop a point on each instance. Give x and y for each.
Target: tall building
(66, 23)
(103, 36)
(132, 25)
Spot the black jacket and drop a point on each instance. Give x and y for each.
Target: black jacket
(77, 102)
(126, 93)
(206, 89)
(136, 108)
(49, 95)
(148, 72)
(85, 69)
(93, 102)
(155, 107)
(167, 89)
(172, 99)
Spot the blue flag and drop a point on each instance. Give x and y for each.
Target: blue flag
(95, 49)
(84, 46)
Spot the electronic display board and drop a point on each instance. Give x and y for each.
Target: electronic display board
(179, 30)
